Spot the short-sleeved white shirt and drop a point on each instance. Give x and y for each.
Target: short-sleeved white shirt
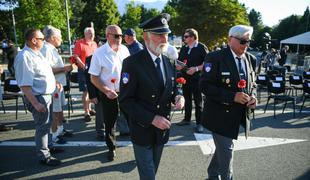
(51, 54)
(107, 64)
(33, 69)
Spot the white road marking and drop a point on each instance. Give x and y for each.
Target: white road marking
(204, 141)
(176, 112)
(93, 143)
(207, 146)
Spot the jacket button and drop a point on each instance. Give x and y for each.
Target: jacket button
(171, 92)
(158, 106)
(153, 96)
(227, 111)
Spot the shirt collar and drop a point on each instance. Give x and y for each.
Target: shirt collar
(153, 56)
(235, 56)
(31, 50)
(194, 45)
(49, 44)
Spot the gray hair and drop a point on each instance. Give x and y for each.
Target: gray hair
(46, 28)
(52, 31)
(240, 30)
(89, 29)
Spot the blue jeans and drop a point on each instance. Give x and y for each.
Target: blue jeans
(42, 121)
(147, 158)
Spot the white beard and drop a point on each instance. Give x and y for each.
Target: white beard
(162, 48)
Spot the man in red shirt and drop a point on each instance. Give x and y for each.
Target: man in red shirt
(83, 48)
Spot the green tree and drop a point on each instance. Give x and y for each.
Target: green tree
(101, 13)
(37, 13)
(77, 7)
(212, 19)
(131, 18)
(148, 13)
(255, 19)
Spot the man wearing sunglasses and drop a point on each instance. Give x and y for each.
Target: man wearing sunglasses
(193, 55)
(105, 70)
(228, 102)
(35, 78)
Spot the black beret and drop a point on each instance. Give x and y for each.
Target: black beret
(157, 25)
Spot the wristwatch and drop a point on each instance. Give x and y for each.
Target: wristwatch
(197, 69)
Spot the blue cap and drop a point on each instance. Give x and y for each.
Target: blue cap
(157, 25)
(130, 32)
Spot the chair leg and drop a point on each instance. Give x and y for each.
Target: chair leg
(294, 108)
(16, 107)
(267, 104)
(71, 102)
(284, 107)
(274, 109)
(24, 105)
(303, 103)
(3, 107)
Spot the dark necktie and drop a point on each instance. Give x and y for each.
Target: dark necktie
(159, 73)
(241, 71)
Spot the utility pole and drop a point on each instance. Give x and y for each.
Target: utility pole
(13, 19)
(68, 28)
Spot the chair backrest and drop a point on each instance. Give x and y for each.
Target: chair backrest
(272, 73)
(262, 79)
(278, 78)
(276, 87)
(10, 85)
(306, 75)
(295, 79)
(67, 87)
(306, 86)
(74, 77)
(288, 68)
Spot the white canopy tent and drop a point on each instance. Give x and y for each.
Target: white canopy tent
(303, 39)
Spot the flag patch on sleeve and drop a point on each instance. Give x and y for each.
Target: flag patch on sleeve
(125, 77)
(208, 67)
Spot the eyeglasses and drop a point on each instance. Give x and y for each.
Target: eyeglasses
(42, 39)
(186, 36)
(242, 41)
(117, 36)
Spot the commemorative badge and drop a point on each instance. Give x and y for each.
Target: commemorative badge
(227, 81)
(125, 78)
(208, 67)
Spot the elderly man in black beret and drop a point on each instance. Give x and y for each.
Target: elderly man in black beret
(146, 92)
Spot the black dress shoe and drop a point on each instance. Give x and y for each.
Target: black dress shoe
(100, 137)
(87, 118)
(67, 133)
(60, 140)
(183, 123)
(124, 134)
(111, 155)
(54, 150)
(92, 112)
(50, 161)
(5, 128)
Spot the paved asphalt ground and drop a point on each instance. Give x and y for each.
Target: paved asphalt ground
(184, 160)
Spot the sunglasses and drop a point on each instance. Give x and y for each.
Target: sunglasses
(117, 36)
(186, 36)
(242, 41)
(42, 39)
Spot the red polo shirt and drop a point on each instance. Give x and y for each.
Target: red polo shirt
(84, 49)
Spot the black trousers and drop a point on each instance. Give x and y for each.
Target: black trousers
(190, 91)
(110, 114)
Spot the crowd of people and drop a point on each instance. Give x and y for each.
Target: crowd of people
(135, 87)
